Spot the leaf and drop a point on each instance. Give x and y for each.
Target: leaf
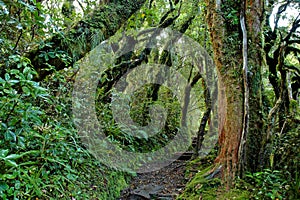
(10, 176)
(12, 156)
(7, 76)
(11, 21)
(3, 186)
(7, 91)
(19, 65)
(14, 71)
(3, 152)
(30, 152)
(28, 163)
(17, 185)
(11, 163)
(46, 57)
(26, 90)
(26, 70)
(51, 54)
(19, 26)
(1, 80)
(13, 81)
(9, 159)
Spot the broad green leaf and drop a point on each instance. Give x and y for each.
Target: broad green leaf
(14, 71)
(2, 80)
(10, 176)
(12, 156)
(3, 186)
(26, 90)
(7, 76)
(26, 70)
(51, 54)
(3, 153)
(13, 81)
(11, 163)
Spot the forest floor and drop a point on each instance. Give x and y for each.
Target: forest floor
(166, 183)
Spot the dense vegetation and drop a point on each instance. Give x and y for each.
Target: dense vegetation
(41, 153)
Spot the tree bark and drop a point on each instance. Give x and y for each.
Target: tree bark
(253, 140)
(228, 60)
(239, 146)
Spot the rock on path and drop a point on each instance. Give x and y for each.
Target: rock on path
(165, 184)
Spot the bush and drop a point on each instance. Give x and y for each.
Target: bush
(40, 152)
(268, 184)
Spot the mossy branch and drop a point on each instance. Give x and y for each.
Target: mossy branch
(78, 41)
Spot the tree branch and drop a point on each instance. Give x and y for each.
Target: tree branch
(104, 21)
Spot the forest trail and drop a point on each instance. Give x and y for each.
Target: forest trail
(164, 184)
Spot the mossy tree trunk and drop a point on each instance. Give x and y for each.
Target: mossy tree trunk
(96, 27)
(256, 133)
(240, 117)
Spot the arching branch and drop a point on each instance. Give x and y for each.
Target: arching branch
(104, 22)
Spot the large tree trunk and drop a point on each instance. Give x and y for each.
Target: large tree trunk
(84, 36)
(239, 82)
(253, 139)
(228, 60)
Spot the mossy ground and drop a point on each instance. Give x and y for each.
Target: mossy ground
(201, 187)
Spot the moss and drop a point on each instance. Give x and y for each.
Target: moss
(200, 187)
(236, 194)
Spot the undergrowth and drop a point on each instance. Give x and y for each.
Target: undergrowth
(41, 156)
(279, 182)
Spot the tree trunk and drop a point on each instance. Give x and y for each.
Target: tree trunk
(238, 145)
(252, 142)
(228, 60)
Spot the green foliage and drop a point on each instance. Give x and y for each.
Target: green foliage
(284, 160)
(237, 194)
(40, 152)
(23, 24)
(18, 113)
(286, 150)
(294, 187)
(230, 14)
(202, 187)
(139, 112)
(269, 184)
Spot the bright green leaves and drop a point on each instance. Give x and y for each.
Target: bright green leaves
(269, 184)
(18, 93)
(10, 160)
(21, 22)
(8, 173)
(230, 13)
(232, 16)
(39, 154)
(62, 55)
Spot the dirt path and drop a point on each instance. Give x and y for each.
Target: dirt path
(166, 183)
